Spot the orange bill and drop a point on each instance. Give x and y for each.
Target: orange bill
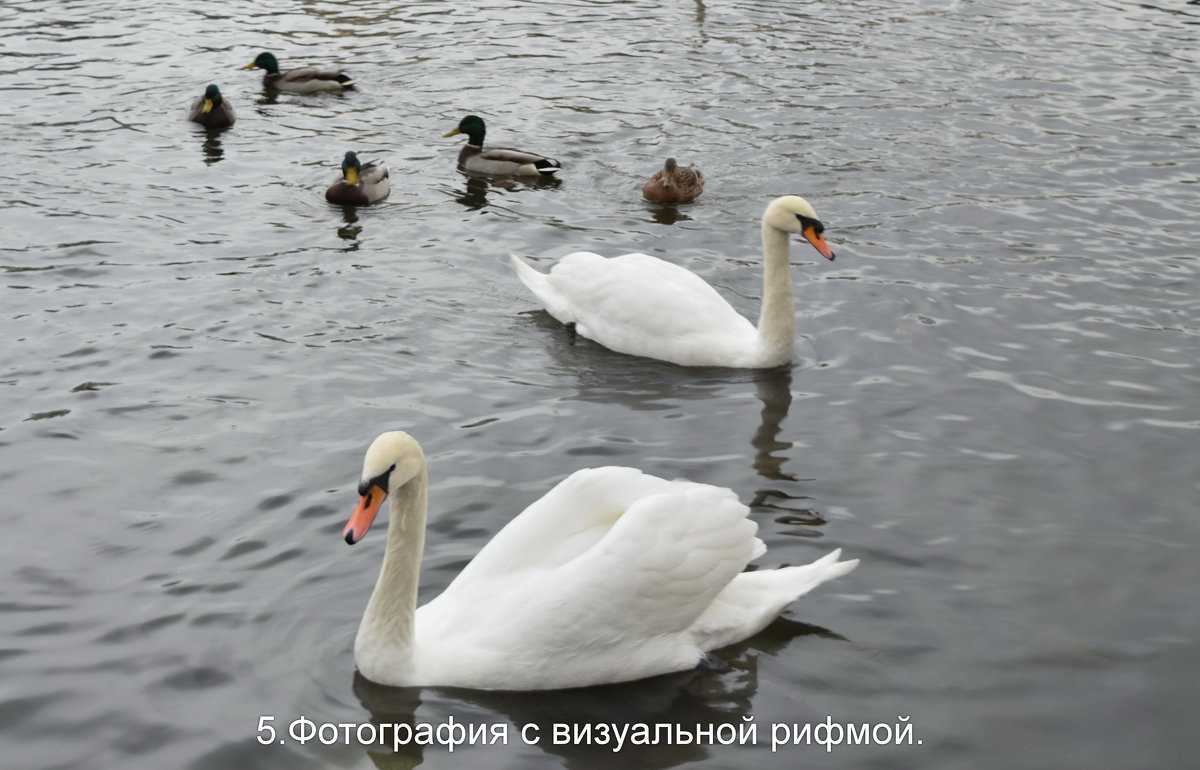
(364, 514)
(818, 241)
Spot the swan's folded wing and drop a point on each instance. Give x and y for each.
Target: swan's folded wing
(566, 522)
(612, 602)
(663, 563)
(637, 303)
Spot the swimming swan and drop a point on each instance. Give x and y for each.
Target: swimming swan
(643, 306)
(614, 575)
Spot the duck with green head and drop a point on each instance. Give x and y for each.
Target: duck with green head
(359, 184)
(212, 110)
(305, 80)
(498, 160)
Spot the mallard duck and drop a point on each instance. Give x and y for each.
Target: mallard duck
(212, 110)
(304, 80)
(500, 161)
(613, 575)
(359, 184)
(672, 184)
(646, 306)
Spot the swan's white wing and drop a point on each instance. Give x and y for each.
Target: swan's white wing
(567, 521)
(642, 305)
(613, 601)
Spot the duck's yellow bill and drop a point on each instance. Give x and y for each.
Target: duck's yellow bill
(455, 132)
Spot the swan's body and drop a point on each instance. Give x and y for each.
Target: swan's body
(672, 184)
(614, 575)
(644, 306)
(359, 184)
(305, 80)
(212, 110)
(498, 161)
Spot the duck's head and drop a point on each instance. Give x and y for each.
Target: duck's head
(351, 168)
(393, 460)
(473, 127)
(212, 98)
(793, 214)
(264, 61)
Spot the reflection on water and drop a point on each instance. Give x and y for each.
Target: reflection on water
(213, 153)
(667, 213)
(350, 229)
(774, 390)
(474, 195)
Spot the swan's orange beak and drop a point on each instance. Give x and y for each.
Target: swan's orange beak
(819, 243)
(364, 514)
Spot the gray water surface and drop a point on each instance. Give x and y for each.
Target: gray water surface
(995, 405)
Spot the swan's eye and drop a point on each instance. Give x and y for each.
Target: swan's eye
(807, 222)
(380, 481)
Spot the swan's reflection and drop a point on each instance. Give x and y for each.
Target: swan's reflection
(787, 504)
(645, 385)
(688, 698)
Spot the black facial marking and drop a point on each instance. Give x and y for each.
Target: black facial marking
(807, 222)
(381, 481)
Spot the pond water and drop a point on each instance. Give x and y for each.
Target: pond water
(995, 403)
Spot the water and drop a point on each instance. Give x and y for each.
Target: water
(995, 406)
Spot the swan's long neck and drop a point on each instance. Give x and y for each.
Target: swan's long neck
(386, 630)
(777, 319)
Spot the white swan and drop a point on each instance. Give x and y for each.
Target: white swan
(614, 575)
(643, 306)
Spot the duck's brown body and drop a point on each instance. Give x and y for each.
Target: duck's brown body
(672, 184)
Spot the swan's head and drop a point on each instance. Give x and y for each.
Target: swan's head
(394, 459)
(793, 214)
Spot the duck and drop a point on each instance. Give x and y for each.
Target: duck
(614, 575)
(212, 110)
(499, 161)
(645, 306)
(672, 184)
(359, 184)
(305, 80)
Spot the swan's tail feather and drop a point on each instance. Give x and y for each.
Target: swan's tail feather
(540, 284)
(528, 275)
(753, 599)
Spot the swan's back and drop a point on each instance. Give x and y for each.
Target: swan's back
(644, 306)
